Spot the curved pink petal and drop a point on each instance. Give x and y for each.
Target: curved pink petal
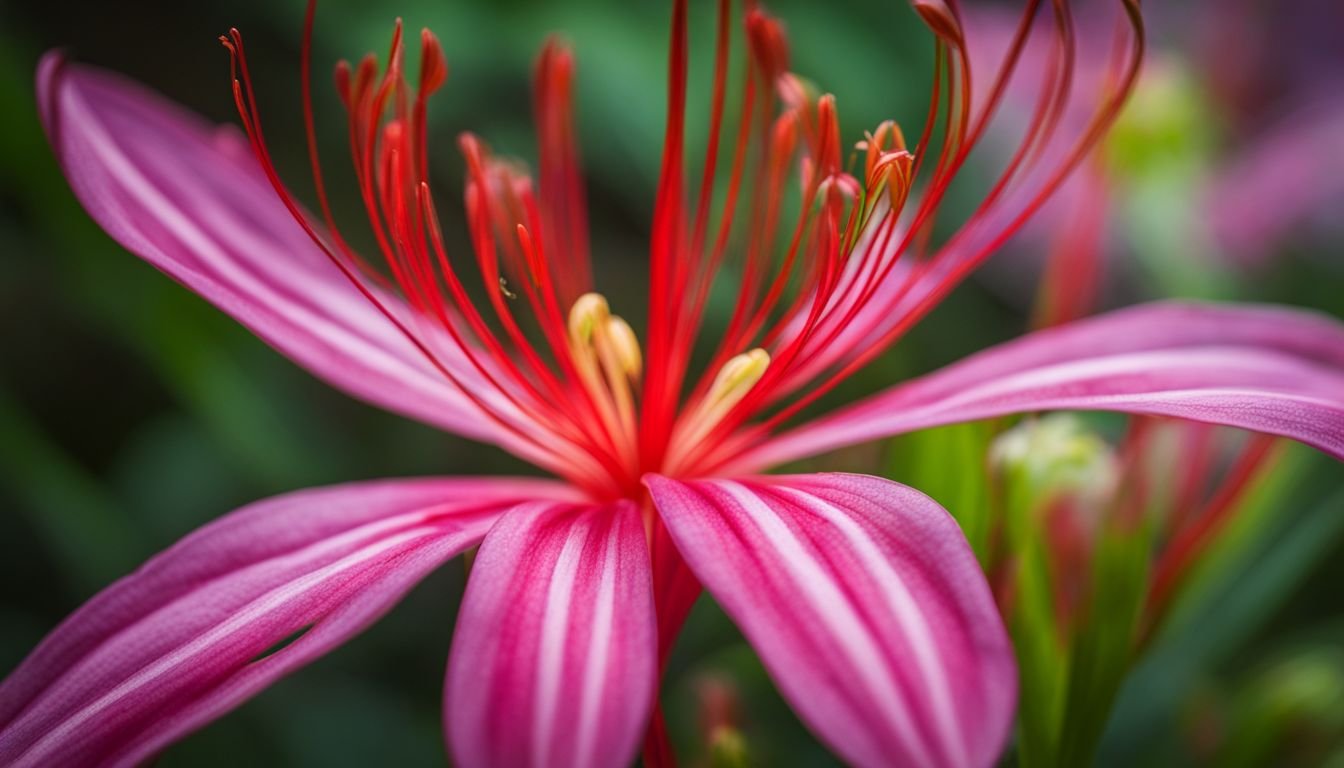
(865, 604)
(191, 199)
(554, 655)
(196, 630)
(1266, 369)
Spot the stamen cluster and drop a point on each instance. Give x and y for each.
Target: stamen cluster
(821, 288)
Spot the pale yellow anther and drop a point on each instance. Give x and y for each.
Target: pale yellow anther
(738, 376)
(607, 360)
(732, 383)
(590, 311)
(625, 345)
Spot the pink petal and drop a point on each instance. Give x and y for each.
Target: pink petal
(1267, 369)
(865, 604)
(180, 641)
(1287, 184)
(553, 660)
(191, 199)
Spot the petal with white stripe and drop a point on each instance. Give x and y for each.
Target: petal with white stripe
(222, 231)
(553, 659)
(233, 607)
(865, 604)
(1268, 369)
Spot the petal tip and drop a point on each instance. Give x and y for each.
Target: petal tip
(50, 69)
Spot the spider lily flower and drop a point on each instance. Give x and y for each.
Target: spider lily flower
(1095, 545)
(1057, 481)
(1189, 522)
(1298, 152)
(1069, 474)
(1098, 544)
(861, 595)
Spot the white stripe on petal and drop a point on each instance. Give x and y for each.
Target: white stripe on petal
(597, 665)
(908, 614)
(555, 629)
(866, 606)
(837, 613)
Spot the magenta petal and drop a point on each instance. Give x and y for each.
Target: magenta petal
(554, 656)
(1287, 185)
(865, 604)
(191, 199)
(185, 638)
(1267, 369)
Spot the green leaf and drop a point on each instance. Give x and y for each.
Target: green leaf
(1254, 517)
(1038, 641)
(1227, 611)
(1103, 649)
(948, 463)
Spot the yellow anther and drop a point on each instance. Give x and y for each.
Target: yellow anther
(607, 361)
(625, 345)
(734, 380)
(737, 377)
(590, 311)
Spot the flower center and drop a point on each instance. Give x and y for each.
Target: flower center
(607, 366)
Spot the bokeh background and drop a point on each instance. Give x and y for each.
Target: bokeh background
(131, 412)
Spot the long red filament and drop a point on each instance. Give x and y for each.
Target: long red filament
(719, 448)
(665, 251)
(565, 219)
(1192, 540)
(394, 193)
(824, 294)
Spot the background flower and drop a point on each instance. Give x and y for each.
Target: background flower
(1222, 178)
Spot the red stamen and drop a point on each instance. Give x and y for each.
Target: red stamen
(666, 249)
(564, 215)
(1184, 551)
(1096, 126)
(810, 294)
(246, 103)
